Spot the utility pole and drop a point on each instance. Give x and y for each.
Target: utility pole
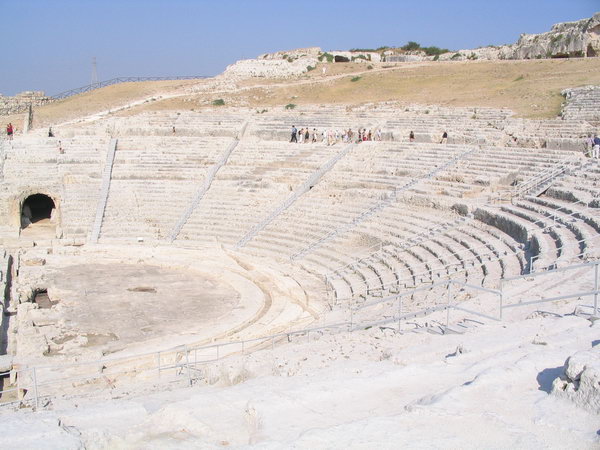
(94, 79)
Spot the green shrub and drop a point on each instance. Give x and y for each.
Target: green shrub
(218, 102)
(290, 106)
(436, 57)
(369, 67)
(355, 79)
(309, 68)
(411, 46)
(325, 56)
(433, 51)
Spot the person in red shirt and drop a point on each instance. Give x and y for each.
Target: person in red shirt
(9, 131)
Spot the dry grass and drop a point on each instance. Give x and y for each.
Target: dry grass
(99, 100)
(530, 88)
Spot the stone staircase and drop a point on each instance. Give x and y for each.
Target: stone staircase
(105, 187)
(303, 188)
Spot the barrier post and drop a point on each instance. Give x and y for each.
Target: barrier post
(399, 311)
(35, 388)
(596, 289)
(448, 304)
(158, 363)
(187, 364)
(530, 264)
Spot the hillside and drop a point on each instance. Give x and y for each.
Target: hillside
(530, 88)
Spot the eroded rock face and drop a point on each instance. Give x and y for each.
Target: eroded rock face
(564, 40)
(581, 38)
(581, 381)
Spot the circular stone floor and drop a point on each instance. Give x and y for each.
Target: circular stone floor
(134, 303)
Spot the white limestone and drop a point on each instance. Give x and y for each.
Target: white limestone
(269, 68)
(581, 381)
(569, 39)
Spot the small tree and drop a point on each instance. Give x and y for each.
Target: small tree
(411, 46)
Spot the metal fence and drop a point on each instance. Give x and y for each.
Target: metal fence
(101, 84)
(33, 384)
(90, 87)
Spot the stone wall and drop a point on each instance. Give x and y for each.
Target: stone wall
(269, 68)
(21, 101)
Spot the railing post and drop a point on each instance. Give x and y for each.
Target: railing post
(187, 364)
(35, 388)
(158, 363)
(399, 311)
(596, 288)
(448, 304)
(532, 262)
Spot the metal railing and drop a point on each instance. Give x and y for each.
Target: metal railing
(203, 189)
(426, 235)
(379, 206)
(576, 244)
(540, 180)
(490, 255)
(478, 260)
(90, 87)
(303, 188)
(101, 84)
(36, 382)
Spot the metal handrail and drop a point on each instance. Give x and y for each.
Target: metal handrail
(90, 87)
(101, 84)
(380, 205)
(407, 243)
(185, 361)
(535, 258)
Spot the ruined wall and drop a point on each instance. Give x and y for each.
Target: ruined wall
(269, 68)
(21, 101)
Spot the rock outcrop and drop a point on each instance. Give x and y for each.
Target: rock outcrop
(564, 40)
(581, 380)
(270, 68)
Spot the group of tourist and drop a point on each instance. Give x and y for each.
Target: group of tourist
(305, 135)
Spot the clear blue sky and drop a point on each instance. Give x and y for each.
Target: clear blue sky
(49, 44)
